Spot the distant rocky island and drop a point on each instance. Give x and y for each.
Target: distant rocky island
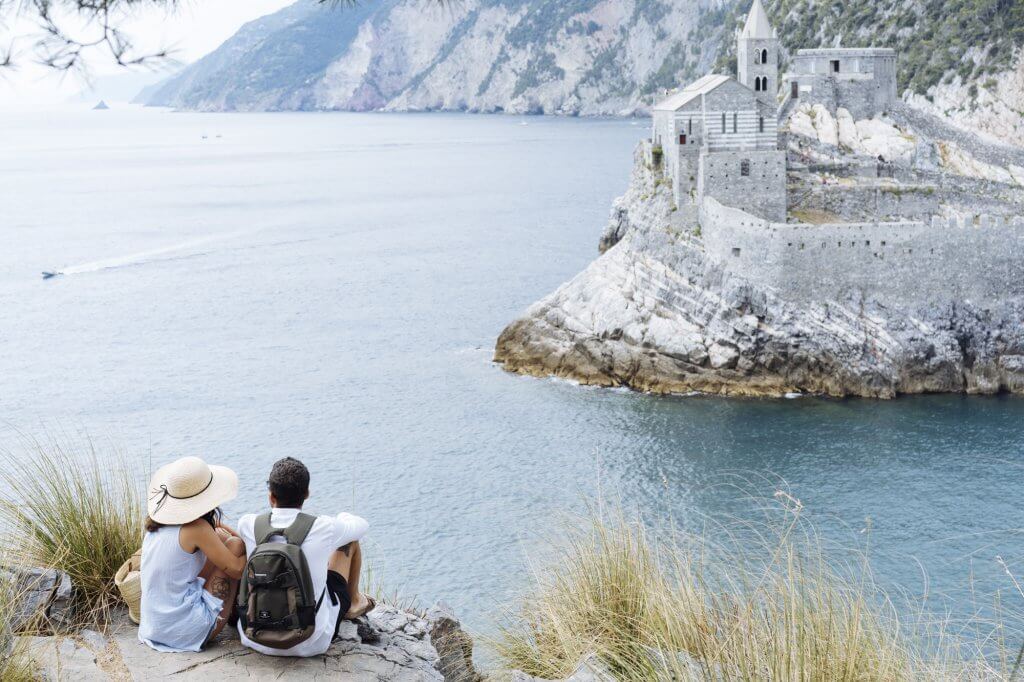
(833, 240)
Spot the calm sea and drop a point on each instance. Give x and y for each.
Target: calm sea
(329, 286)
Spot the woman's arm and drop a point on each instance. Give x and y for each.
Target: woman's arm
(229, 529)
(202, 536)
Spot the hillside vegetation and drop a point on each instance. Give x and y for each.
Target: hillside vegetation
(936, 39)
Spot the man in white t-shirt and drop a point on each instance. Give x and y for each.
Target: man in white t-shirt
(332, 552)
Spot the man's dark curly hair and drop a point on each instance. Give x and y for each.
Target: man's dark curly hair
(289, 483)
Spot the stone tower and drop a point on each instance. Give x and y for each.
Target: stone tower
(757, 56)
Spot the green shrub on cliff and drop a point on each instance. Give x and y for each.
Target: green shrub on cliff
(685, 608)
(76, 511)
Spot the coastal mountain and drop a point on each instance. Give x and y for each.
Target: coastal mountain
(522, 56)
(959, 58)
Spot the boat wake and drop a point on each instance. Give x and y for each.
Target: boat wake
(164, 253)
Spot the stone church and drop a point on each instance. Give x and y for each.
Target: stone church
(719, 136)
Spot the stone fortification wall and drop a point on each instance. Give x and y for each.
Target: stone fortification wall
(980, 259)
(868, 202)
(753, 180)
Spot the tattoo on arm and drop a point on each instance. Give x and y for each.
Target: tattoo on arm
(220, 587)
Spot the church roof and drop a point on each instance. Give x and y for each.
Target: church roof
(701, 86)
(757, 27)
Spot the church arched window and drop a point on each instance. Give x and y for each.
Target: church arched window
(764, 56)
(757, 56)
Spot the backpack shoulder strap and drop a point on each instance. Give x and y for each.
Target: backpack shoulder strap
(296, 533)
(262, 531)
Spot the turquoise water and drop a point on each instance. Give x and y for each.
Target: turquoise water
(245, 287)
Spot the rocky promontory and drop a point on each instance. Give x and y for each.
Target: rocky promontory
(390, 643)
(657, 312)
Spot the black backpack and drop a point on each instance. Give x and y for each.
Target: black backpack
(276, 601)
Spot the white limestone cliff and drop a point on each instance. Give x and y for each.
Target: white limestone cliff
(656, 312)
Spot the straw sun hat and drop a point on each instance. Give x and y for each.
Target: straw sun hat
(186, 489)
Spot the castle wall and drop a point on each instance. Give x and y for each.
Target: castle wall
(865, 83)
(761, 192)
(902, 263)
(869, 202)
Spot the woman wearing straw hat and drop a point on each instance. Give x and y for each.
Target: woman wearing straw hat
(191, 562)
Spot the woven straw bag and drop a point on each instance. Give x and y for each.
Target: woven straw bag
(129, 583)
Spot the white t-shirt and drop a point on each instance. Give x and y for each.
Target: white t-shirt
(328, 534)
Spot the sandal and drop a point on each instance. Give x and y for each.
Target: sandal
(371, 604)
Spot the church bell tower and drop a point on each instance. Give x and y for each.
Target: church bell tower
(757, 56)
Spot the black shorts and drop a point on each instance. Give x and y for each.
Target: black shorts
(337, 590)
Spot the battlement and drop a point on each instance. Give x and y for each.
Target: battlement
(847, 52)
(975, 258)
(981, 221)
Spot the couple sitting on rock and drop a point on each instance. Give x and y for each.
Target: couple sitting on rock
(293, 577)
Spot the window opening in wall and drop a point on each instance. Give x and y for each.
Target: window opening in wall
(760, 128)
(736, 252)
(764, 56)
(682, 139)
(867, 243)
(689, 127)
(757, 57)
(883, 243)
(735, 117)
(723, 121)
(745, 168)
(835, 66)
(794, 90)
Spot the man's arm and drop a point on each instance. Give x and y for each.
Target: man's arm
(349, 528)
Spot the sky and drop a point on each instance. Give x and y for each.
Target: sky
(191, 29)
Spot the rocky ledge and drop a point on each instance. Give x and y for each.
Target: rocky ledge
(391, 643)
(657, 313)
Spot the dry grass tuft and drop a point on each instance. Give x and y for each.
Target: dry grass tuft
(73, 510)
(689, 608)
(15, 664)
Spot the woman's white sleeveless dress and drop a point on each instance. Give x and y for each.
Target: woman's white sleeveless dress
(177, 614)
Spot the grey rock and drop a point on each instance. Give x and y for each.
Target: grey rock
(453, 645)
(405, 650)
(43, 597)
(589, 669)
(61, 658)
(94, 640)
(61, 613)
